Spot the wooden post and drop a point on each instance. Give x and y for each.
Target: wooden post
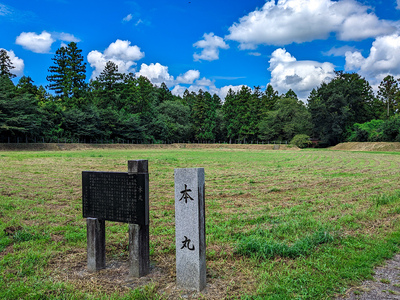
(139, 248)
(96, 244)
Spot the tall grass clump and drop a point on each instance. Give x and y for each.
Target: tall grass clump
(384, 199)
(258, 247)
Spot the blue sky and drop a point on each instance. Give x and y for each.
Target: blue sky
(212, 45)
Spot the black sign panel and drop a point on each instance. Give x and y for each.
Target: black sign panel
(115, 196)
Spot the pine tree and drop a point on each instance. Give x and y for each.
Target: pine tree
(6, 65)
(59, 73)
(164, 93)
(229, 110)
(68, 74)
(389, 93)
(199, 112)
(109, 77)
(269, 98)
(25, 85)
(105, 87)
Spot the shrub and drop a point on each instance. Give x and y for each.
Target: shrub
(301, 140)
(366, 132)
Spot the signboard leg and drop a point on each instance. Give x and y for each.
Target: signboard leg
(139, 262)
(96, 244)
(139, 248)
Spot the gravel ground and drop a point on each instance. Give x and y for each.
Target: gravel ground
(385, 285)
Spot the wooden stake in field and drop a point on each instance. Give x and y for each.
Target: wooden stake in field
(190, 229)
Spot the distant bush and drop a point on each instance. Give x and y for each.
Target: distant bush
(301, 140)
(376, 131)
(367, 132)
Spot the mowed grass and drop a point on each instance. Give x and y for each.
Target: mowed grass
(279, 224)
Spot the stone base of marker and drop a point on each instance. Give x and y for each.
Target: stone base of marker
(190, 229)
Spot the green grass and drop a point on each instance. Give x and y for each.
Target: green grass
(279, 224)
(261, 246)
(384, 199)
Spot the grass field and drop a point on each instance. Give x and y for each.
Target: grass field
(279, 224)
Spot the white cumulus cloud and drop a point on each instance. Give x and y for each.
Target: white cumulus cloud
(210, 45)
(156, 73)
(300, 76)
(298, 21)
(41, 43)
(189, 77)
(205, 82)
(178, 90)
(124, 51)
(66, 37)
(383, 59)
(120, 52)
(18, 63)
(398, 4)
(38, 43)
(339, 51)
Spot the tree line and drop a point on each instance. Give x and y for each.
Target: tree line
(116, 106)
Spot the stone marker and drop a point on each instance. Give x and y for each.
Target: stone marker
(121, 197)
(190, 229)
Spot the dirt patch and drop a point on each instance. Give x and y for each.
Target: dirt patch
(69, 147)
(115, 278)
(368, 146)
(12, 229)
(385, 285)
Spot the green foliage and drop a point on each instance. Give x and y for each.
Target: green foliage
(173, 122)
(391, 129)
(19, 113)
(244, 112)
(336, 106)
(376, 131)
(25, 86)
(366, 132)
(122, 106)
(301, 140)
(204, 116)
(288, 118)
(68, 74)
(389, 96)
(6, 65)
(106, 88)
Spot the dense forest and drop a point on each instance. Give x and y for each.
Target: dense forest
(122, 108)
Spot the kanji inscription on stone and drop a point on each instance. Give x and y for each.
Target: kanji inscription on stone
(190, 235)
